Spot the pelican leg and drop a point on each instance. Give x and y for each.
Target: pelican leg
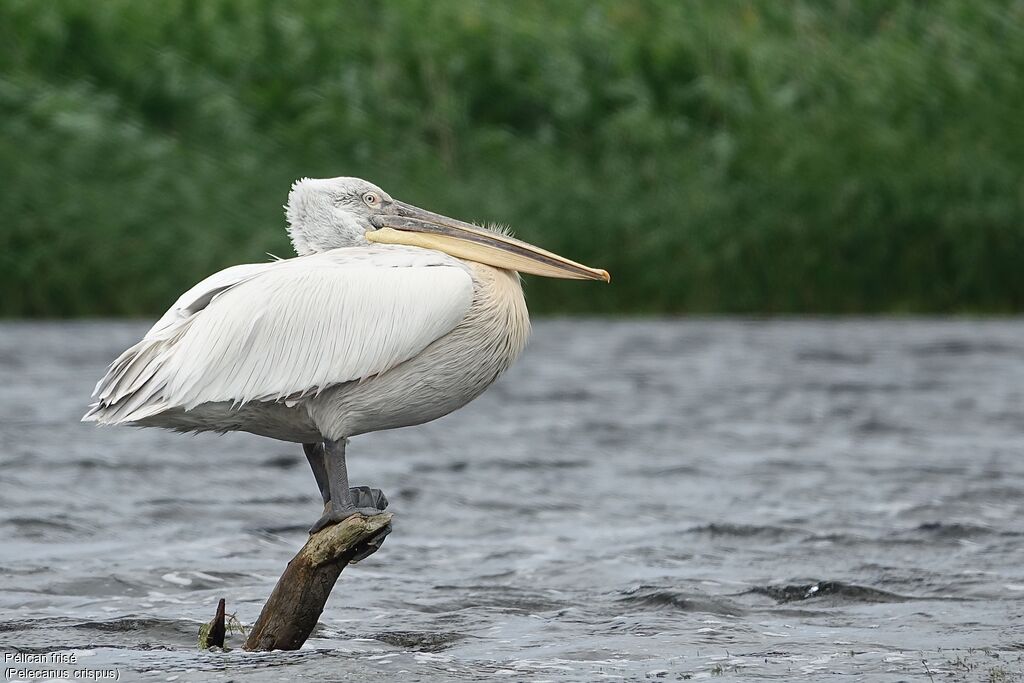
(315, 455)
(343, 501)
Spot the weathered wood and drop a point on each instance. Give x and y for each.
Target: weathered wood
(298, 599)
(215, 636)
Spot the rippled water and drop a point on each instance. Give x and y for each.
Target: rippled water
(639, 500)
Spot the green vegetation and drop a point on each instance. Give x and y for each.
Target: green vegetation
(728, 156)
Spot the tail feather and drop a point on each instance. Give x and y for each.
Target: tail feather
(135, 384)
(130, 391)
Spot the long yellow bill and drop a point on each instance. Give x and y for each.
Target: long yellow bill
(416, 227)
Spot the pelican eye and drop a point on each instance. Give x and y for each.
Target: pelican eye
(371, 198)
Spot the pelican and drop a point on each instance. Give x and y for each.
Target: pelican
(389, 316)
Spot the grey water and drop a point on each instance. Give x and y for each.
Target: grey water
(634, 500)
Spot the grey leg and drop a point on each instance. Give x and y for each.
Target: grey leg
(342, 502)
(315, 456)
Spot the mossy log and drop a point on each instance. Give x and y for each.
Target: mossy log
(298, 599)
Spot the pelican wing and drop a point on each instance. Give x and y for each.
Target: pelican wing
(287, 329)
(200, 296)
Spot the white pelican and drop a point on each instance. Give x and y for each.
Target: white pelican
(389, 316)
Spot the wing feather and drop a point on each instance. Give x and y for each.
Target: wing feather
(287, 329)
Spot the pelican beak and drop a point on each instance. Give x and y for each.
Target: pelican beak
(416, 227)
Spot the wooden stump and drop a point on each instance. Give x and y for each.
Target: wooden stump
(216, 632)
(298, 599)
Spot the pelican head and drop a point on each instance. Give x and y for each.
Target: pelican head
(330, 213)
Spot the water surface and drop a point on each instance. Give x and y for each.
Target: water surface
(634, 500)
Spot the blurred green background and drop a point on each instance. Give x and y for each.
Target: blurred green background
(728, 156)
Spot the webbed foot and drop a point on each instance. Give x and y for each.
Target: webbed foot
(362, 500)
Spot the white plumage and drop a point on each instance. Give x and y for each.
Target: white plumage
(288, 329)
